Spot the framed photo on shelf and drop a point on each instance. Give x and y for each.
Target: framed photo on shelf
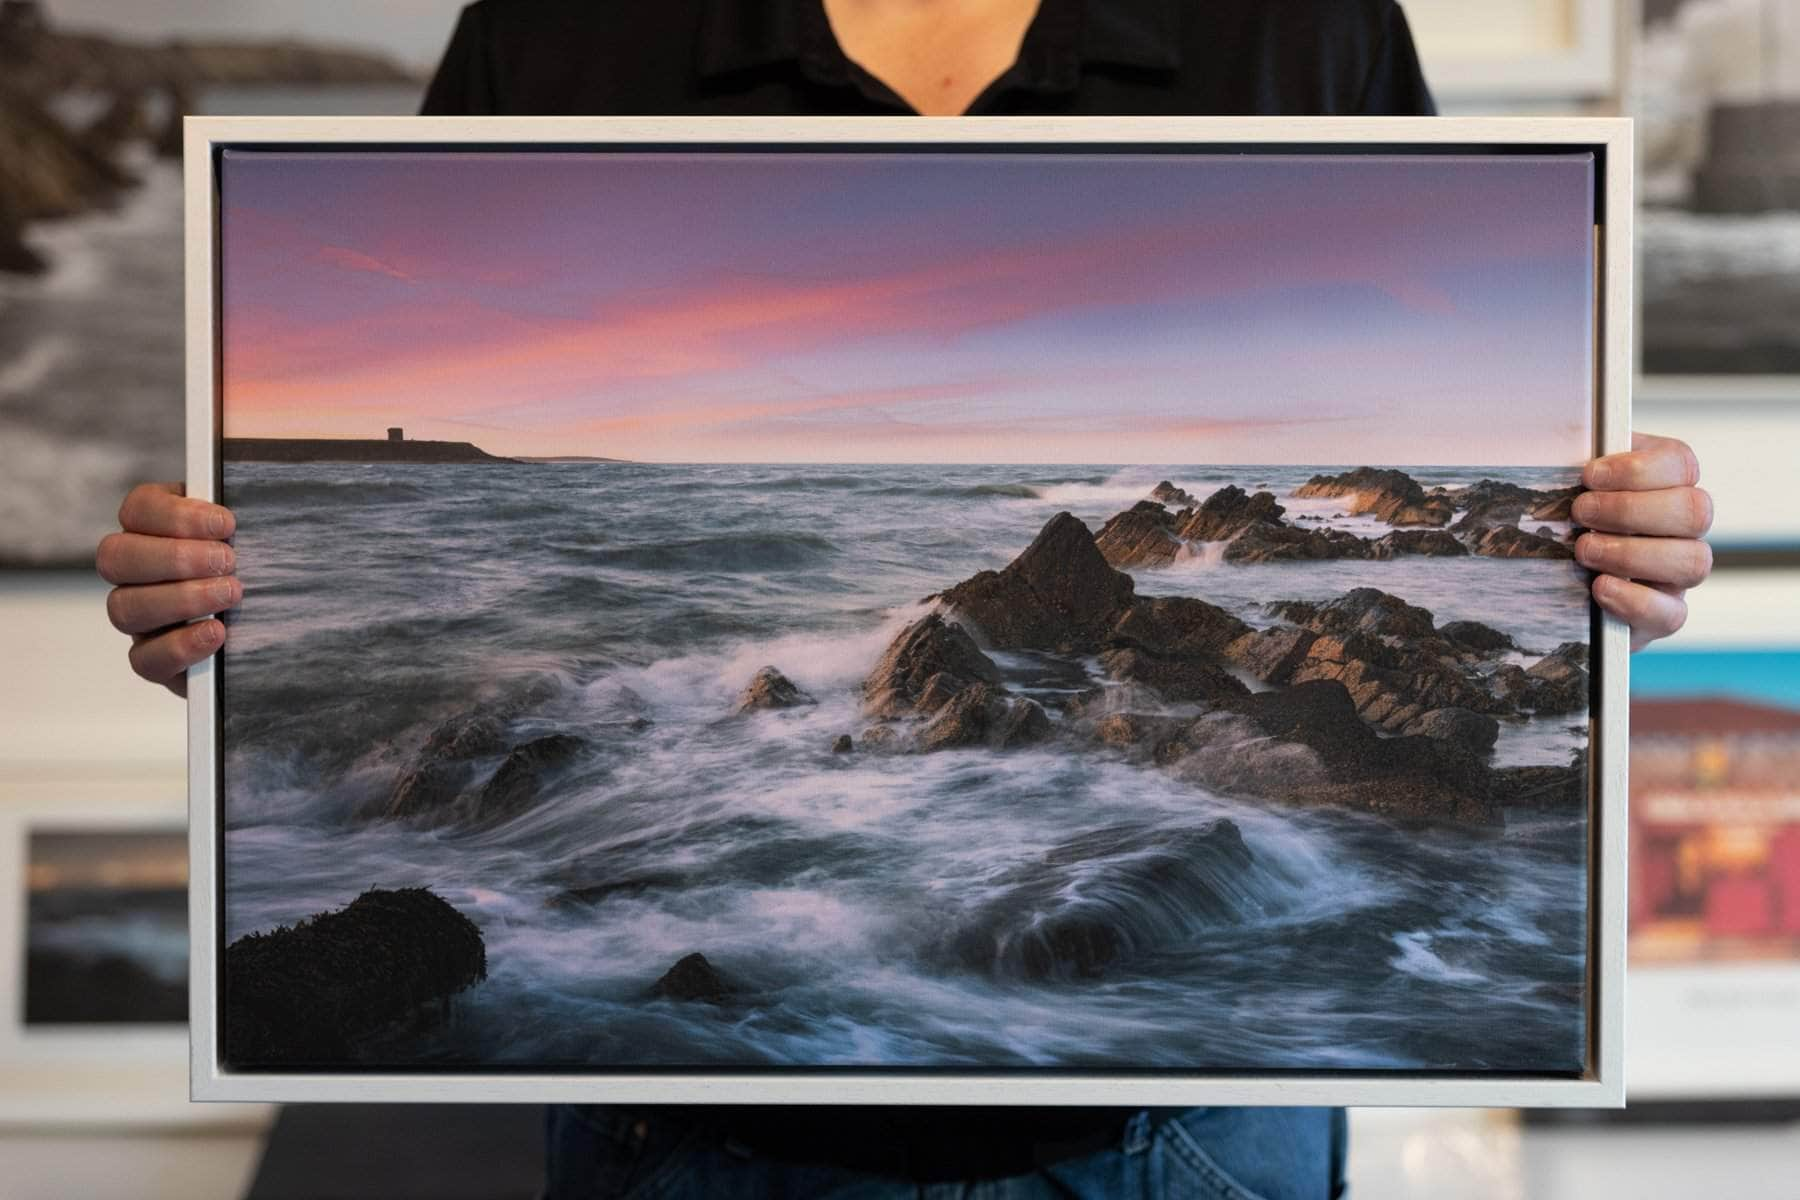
(93, 892)
(1715, 91)
(1715, 830)
(885, 611)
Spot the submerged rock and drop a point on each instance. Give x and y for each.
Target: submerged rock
(318, 993)
(1098, 900)
(1060, 594)
(515, 785)
(843, 744)
(769, 688)
(693, 978)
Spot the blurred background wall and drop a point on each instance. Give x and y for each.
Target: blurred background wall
(91, 761)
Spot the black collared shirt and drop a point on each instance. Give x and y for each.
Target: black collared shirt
(779, 58)
(1080, 57)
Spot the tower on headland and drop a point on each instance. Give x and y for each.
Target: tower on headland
(396, 433)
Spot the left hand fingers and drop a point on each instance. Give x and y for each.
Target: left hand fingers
(1677, 512)
(1652, 612)
(1652, 463)
(1679, 561)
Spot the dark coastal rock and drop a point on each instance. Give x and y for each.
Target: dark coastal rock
(443, 767)
(1228, 512)
(1272, 654)
(319, 993)
(1176, 625)
(1430, 542)
(1391, 685)
(925, 665)
(1174, 677)
(1167, 493)
(1265, 542)
(1141, 536)
(693, 978)
(466, 736)
(1551, 789)
(1306, 743)
(1482, 517)
(1060, 594)
(1132, 730)
(1361, 610)
(1473, 731)
(1509, 541)
(1473, 635)
(843, 744)
(1103, 898)
(768, 689)
(1558, 682)
(515, 785)
(1554, 506)
(984, 715)
(1393, 496)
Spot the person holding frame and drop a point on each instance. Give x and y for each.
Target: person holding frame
(173, 566)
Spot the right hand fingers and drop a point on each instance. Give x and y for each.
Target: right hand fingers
(164, 657)
(160, 605)
(160, 510)
(126, 558)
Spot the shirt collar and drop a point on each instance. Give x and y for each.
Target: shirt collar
(741, 35)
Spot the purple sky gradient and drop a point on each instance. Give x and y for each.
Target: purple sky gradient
(866, 308)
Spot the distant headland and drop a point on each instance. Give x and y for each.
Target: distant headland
(394, 448)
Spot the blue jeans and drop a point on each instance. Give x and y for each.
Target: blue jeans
(600, 1153)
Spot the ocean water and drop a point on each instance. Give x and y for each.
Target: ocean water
(873, 910)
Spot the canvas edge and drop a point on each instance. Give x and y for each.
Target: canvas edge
(1601, 1085)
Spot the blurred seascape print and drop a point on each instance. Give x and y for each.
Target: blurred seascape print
(106, 927)
(995, 610)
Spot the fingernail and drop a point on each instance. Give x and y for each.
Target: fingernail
(209, 632)
(1599, 473)
(1583, 508)
(225, 592)
(219, 559)
(215, 523)
(1591, 549)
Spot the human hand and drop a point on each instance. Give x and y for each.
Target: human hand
(1647, 518)
(171, 565)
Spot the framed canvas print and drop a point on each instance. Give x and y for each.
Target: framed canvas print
(1715, 830)
(899, 611)
(1715, 90)
(93, 930)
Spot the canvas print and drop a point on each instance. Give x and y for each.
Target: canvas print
(105, 927)
(906, 610)
(1717, 102)
(1715, 836)
(92, 93)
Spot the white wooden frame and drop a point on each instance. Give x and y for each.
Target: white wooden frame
(1600, 1084)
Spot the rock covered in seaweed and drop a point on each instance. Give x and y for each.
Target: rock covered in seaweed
(323, 992)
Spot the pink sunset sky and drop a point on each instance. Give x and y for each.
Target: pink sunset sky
(936, 308)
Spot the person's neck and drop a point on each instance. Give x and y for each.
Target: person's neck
(937, 55)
